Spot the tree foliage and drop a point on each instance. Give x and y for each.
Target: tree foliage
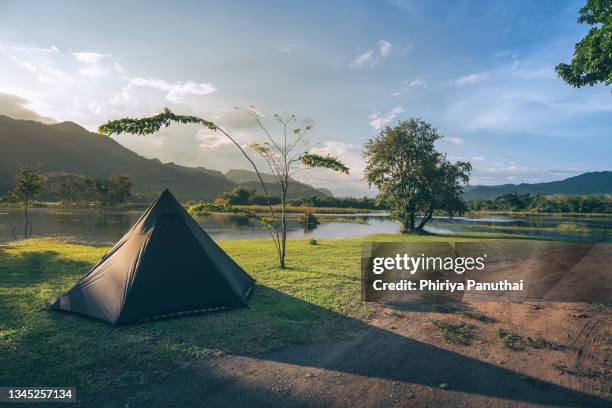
(115, 190)
(592, 60)
(28, 186)
(412, 177)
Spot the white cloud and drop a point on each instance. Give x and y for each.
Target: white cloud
(31, 50)
(341, 184)
(21, 63)
(370, 57)
(454, 140)
(379, 121)
(366, 59)
(471, 79)
(94, 71)
(477, 158)
(210, 140)
(175, 91)
(384, 48)
(418, 82)
(89, 57)
(286, 50)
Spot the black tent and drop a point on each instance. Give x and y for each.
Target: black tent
(165, 265)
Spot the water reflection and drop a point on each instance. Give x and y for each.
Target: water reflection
(96, 226)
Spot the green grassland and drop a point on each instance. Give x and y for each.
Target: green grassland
(317, 297)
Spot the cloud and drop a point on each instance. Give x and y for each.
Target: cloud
(175, 91)
(31, 50)
(286, 50)
(367, 59)
(384, 48)
(89, 57)
(471, 79)
(94, 71)
(17, 107)
(208, 139)
(379, 121)
(454, 140)
(21, 63)
(340, 184)
(370, 57)
(506, 53)
(418, 82)
(503, 171)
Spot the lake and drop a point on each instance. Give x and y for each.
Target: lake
(107, 226)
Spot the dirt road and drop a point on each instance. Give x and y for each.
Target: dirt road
(401, 358)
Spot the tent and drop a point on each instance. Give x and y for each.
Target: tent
(165, 265)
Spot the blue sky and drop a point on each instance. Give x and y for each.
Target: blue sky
(481, 71)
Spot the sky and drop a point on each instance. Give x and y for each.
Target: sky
(482, 72)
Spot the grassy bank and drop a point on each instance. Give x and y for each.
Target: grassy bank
(317, 297)
(302, 209)
(538, 214)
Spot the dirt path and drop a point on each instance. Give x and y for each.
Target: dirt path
(400, 359)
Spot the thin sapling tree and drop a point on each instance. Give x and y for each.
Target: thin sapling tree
(284, 158)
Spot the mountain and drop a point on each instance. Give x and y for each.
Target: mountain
(246, 178)
(67, 148)
(598, 182)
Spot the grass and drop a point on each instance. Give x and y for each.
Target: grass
(511, 340)
(456, 332)
(516, 342)
(565, 228)
(539, 213)
(317, 297)
(476, 315)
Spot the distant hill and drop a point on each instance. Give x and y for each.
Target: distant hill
(249, 179)
(599, 182)
(67, 148)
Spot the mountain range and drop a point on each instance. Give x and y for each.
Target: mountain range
(598, 182)
(66, 148)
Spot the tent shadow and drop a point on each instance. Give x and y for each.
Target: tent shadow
(383, 354)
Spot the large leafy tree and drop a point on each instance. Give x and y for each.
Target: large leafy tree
(28, 186)
(414, 179)
(284, 156)
(592, 61)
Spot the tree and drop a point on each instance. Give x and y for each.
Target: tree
(239, 195)
(119, 188)
(28, 186)
(413, 179)
(282, 157)
(74, 189)
(592, 61)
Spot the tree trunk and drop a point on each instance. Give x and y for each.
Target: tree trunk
(283, 227)
(27, 229)
(426, 217)
(408, 223)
